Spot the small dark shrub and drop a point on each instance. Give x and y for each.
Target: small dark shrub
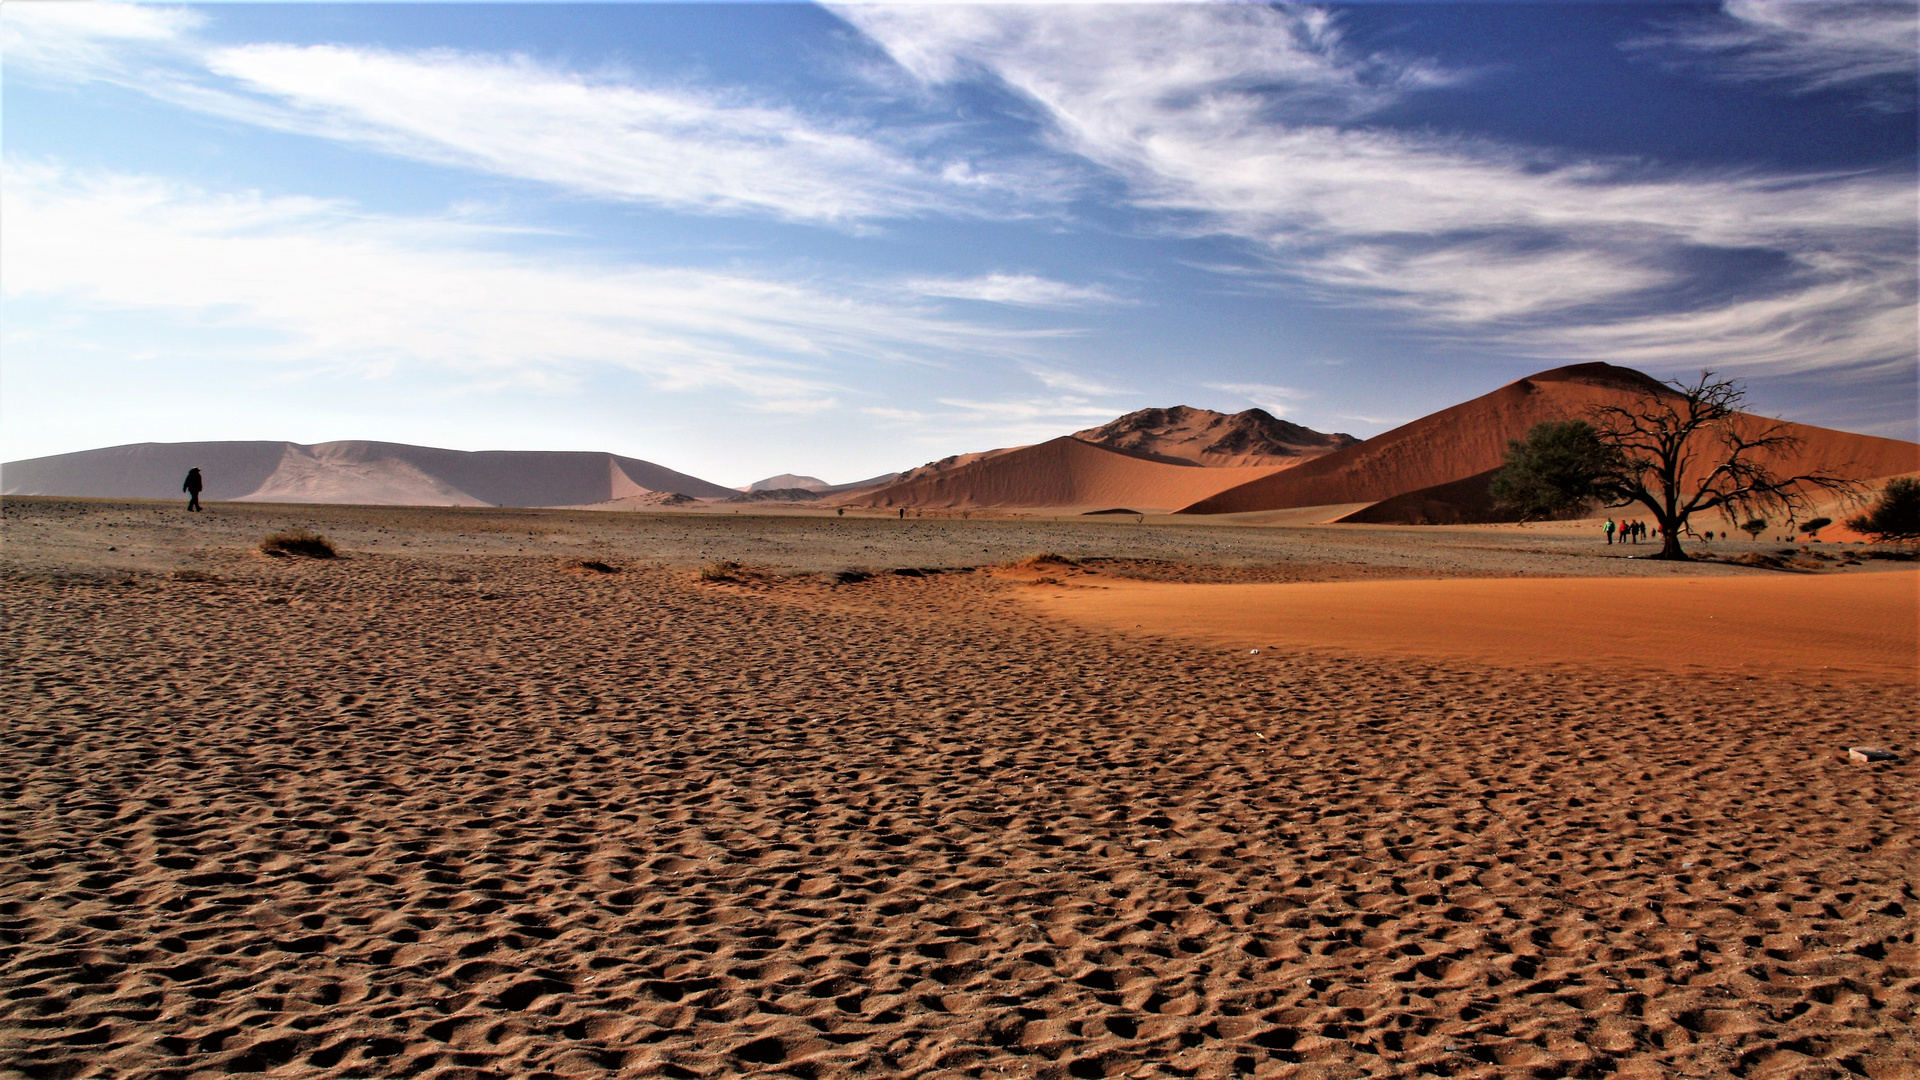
(1812, 528)
(298, 541)
(1895, 516)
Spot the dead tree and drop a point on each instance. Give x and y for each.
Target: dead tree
(1688, 450)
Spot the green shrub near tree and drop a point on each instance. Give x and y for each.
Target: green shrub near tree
(1551, 473)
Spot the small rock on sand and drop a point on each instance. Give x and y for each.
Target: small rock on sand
(1869, 753)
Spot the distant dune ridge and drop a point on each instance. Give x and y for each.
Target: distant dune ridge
(786, 481)
(1437, 469)
(1064, 472)
(367, 473)
(1205, 437)
(1158, 459)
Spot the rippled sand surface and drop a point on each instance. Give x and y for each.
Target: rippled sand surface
(450, 814)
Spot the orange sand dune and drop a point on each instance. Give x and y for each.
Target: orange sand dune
(1457, 443)
(1855, 626)
(1066, 472)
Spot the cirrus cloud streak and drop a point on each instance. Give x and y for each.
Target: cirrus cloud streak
(1251, 123)
(365, 294)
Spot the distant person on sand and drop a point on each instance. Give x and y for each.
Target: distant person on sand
(192, 488)
(903, 513)
(1609, 528)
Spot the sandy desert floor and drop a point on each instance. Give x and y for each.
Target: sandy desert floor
(456, 807)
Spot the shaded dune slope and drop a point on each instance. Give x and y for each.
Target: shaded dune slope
(1063, 472)
(374, 473)
(1457, 502)
(1448, 457)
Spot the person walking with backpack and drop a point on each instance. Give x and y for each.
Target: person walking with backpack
(193, 487)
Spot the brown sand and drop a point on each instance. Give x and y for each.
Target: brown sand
(420, 812)
(1783, 626)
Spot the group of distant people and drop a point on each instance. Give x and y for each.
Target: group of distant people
(1629, 531)
(1632, 532)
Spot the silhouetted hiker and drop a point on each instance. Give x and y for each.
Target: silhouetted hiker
(192, 488)
(903, 513)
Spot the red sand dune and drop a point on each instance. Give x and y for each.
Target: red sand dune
(1064, 472)
(1458, 443)
(366, 473)
(1863, 626)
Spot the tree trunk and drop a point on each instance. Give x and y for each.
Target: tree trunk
(1670, 547)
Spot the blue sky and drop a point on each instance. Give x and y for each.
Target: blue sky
(740, 240)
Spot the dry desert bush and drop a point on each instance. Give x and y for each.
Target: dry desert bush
(298, 541)
(1043, 561)
(588, 566)
(721, 571)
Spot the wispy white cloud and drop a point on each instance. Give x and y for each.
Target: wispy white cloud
(1843, 311)
(368, 295)
(1072, 382)
(1021, 290)
(73, 42)
(1278, 400)
(603, 134)
(1808, 45)
(674, 148)
(1250, 122)
(946, 424)
(1019, 421)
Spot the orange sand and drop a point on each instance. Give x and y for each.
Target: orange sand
(1860, 626)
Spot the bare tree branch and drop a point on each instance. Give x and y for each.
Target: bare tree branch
(1657, 440)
